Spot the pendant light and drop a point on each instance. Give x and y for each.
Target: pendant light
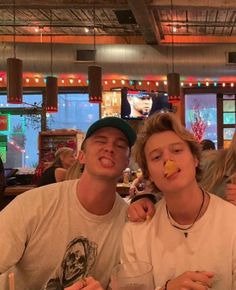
(173, 78)
(14, 71)
(94, 75)
(51, 81)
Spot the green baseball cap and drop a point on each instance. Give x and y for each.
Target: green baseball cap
(114, 122)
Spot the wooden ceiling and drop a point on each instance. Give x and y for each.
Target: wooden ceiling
(151, 22)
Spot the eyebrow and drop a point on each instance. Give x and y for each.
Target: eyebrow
(172, 144)
(106, 137)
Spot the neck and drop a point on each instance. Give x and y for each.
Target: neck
(96, 195)
(185, 207)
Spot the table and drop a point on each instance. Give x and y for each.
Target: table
(17, 189)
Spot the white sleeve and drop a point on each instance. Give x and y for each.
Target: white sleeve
(12, 235)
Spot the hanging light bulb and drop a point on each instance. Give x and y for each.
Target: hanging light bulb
(14, 71)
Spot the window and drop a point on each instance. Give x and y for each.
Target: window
(21, 149)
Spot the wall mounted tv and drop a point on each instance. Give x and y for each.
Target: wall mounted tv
(137, 104)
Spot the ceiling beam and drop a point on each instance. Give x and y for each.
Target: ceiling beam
(62, 4)
(203, 4)
(145, 21)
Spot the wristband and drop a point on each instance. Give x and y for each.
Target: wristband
(145, 195)
(166, 285)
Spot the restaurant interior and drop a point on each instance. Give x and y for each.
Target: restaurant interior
(65, 64)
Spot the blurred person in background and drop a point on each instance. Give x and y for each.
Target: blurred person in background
(207, 144)
(64, 158)
(219, 171)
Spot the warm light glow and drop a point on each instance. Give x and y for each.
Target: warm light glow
(122, 82)
(190, 84)
(165, 83)
(148, 83)
(139, 83)
(105, 82)
(37, 80)
(182, 84)
(157, 84)
(86, 29)
(71, 81)
(1, 79)
(223, 85)
(232, 85)
(79, 81)
(207, 84)
(27, 80)
(36, 29)
(174, 29)
(113, 81)
(63, 81)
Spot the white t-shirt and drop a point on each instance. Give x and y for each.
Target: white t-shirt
(47, 228)
(209, 246)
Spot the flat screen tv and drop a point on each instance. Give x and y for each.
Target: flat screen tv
(137, 104)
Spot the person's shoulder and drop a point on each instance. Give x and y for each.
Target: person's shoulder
(47, 192)
(226, 207)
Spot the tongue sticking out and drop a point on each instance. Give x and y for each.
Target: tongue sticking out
(170, 168)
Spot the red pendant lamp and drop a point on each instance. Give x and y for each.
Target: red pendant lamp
(14, 71)
(173, 78)
(51, 82)
(94, 75)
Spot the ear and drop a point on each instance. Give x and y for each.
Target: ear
(196, 161)
(81, 157)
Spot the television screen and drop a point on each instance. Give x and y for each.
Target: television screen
(141, 104)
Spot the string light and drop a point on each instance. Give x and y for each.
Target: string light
(130, 82)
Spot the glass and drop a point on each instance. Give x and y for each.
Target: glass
(132, 276)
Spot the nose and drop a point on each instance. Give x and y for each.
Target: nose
(109, 147)
(166, 156)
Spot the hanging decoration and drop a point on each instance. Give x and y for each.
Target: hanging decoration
(14, 71)
(94, 75)
(51, 82)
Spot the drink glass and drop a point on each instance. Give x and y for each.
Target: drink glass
(132, 276)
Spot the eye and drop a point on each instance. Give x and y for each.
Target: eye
(100, 140)
(156, 156)
(121, 145)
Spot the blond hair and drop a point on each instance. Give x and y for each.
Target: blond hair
(161, 122)
(75, 171)
(63, 151)
(219, 163)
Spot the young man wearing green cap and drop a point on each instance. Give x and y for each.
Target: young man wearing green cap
(69, 230)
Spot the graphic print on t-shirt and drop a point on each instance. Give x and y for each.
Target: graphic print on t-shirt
(77, 262)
